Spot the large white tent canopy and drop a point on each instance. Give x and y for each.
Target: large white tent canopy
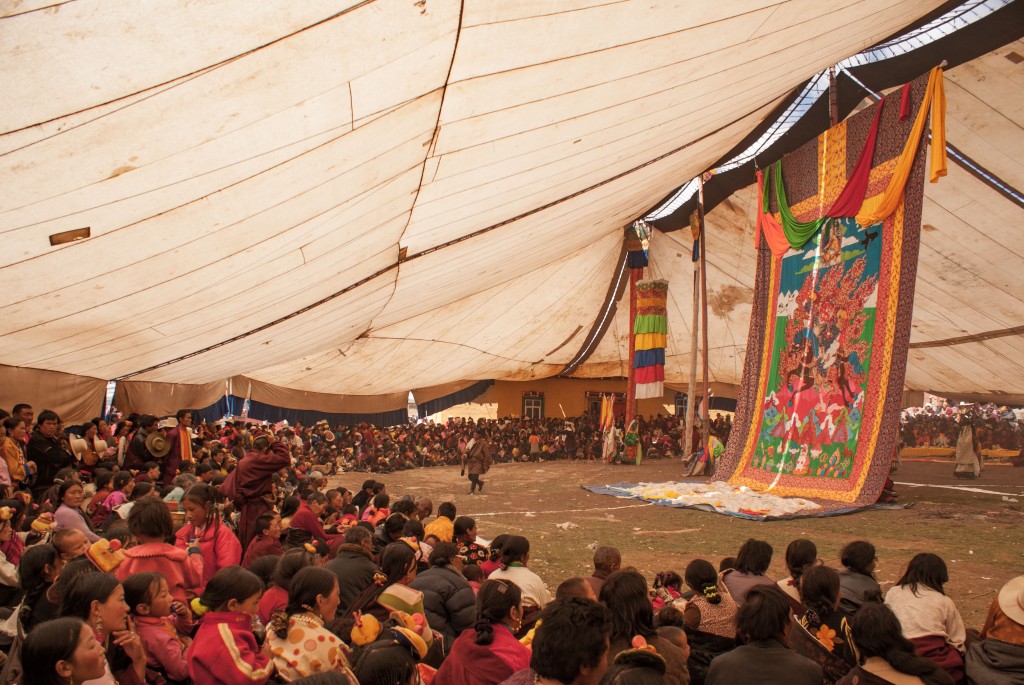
(362, 198)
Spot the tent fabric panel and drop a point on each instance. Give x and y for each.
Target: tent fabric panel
(165, 399)
(439, 404)
(76, 399)
(288, 398)
(134, 49)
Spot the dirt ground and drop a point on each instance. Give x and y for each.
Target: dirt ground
(974, 525)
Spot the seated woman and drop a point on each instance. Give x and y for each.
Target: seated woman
(10, 557)
(998, 657)
(801, 555)
(857, 579)
(276, 596)
(66, 650)
(488, 653)
(752, 562)
(515, 555)
(98, 599)
(629, 606)
(764, 622)
(822, 632)
(709, 617)
(69, 513)
(886, 656)
(929, 618)
(312, 602)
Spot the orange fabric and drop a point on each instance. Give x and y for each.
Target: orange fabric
(877, 208)
(768, 225)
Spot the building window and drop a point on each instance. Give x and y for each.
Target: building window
(533, 405)
(680, 404)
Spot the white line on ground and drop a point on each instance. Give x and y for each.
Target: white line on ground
(963, 488)
(562, 511)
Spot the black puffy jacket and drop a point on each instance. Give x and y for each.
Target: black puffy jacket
(448, 601)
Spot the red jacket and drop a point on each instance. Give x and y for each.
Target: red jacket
(261, 546)
(471, 664)
(219, 545)
(306, 520)
(183, 571)
(224, 652)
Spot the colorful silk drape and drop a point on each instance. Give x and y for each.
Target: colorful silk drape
(819, 404)
(650, 331)
(787, 232)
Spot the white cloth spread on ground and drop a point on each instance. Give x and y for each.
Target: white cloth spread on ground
(722, 497)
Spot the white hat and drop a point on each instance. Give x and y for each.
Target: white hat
(1011, 599)
(169, 422)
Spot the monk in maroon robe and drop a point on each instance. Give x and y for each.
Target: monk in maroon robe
(250, 485)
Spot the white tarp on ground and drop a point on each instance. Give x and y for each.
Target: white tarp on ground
(363, 197)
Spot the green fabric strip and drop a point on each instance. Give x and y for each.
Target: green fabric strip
(651, 323)
(797, 232)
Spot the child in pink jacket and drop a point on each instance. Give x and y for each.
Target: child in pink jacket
(225, 651)
(219, 546)
(164, 638)
(150, 523)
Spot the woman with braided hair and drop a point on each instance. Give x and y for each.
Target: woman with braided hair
(710, 618)
(711, 609)
(887, 656)
(488, 653)
(823, 633)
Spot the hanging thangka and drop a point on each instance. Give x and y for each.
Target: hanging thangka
(838, 233)
(818, 415)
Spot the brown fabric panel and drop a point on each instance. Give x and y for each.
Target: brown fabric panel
(163, 399)
(76, 399)
(279, 396)
(434, 391)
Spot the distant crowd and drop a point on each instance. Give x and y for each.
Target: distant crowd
(939, 425)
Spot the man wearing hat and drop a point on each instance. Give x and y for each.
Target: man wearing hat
(998, 657)
(180, 440)
(139, 448)
(477, 460)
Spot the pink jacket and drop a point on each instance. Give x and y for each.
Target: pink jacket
(183, 571)
(165, 649)
(224, 652)
(219, 545)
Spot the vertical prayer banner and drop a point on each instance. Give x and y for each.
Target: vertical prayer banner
(650, 331)
(818, 412)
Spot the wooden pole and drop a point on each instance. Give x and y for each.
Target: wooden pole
(704, 303)
(692, 390)
(833, 97)
(634, 276)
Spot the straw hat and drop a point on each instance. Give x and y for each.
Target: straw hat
(158, 445)
(1011, 599)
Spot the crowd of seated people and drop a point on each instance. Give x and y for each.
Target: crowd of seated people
(257, 570)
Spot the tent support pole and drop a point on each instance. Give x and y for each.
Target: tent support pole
(833, 97)
(691, 392)
(704, 306)
(634, 276)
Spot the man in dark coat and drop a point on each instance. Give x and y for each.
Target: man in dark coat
(766, 657)
(354, 566)
(250, 485)
(478, 461)
(47, 451)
